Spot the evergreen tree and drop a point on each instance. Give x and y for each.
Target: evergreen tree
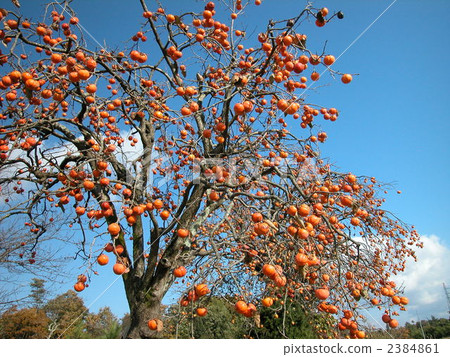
(38, 292)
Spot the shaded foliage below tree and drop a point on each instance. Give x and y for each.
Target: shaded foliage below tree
(65, 316)
(291, 321)
(433, 328)
(24, 323)
(104, 324)
(222, 321)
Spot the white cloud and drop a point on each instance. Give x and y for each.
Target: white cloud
(423, 280)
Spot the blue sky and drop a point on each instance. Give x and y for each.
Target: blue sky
(393, 124)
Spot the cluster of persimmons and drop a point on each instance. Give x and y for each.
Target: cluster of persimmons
(113, 139)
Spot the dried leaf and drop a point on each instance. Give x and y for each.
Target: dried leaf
(303, 270)
(257, 319)
(270, 223)
(300, 221)
(159, 325)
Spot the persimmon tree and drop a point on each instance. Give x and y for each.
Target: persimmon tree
(191, 155)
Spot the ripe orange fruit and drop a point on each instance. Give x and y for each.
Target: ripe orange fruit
(396, 299)
(214, 196)
(179, 272)
(104, 181)
(267, 302)
(404, 300)
(248, 106)
(183, 233)
(158, 204)
(351, 178)
(201, 289)
(80, 210)
(329, 60)
(207, 14)
(257, 217)
(269, 271)
(119, 268)
(79, 286)
(164, 214)
(315, 76)
(119, 249)
(346, 201)
(202, 311)
(292, 230)
(303, 210)
(239, 108)
(102, 259)
(251, 309)
(114, 229)
(282, 104)
(131, 220)
(314, 60)
(322, 294)
(301, 259)
(332, 309)
(292, 210)
(287, 40)
(207, 133)
(109, 247)
(91, 88)
(152, 324)
(84, 74)
(393, 323)
(302, 233)
(314, 220)
(241, 307)
(138, 210)
(346, 78)
(88, 185)
(127, 193)
(185, 111)
(261, 228)
(320, 23)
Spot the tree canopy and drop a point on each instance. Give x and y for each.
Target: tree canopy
(191, 154)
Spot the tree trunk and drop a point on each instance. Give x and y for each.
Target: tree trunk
(140, 314)
(144, 301)
(145, 290)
